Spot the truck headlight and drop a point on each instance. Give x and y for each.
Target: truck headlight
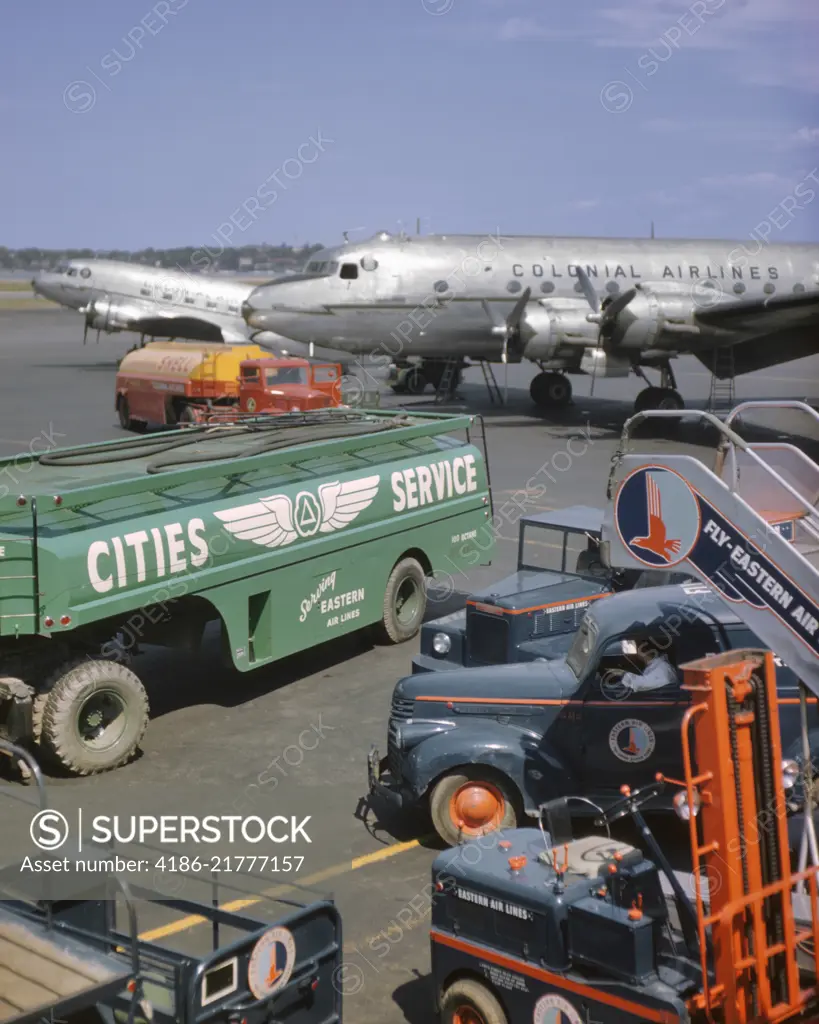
(790, 773)
(441, 644)
(682, 808)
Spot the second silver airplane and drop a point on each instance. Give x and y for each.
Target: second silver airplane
(595, 306)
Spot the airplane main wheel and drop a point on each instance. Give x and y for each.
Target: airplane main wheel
(415, 382)
(468, 1001)
(658, 398)
(550, 389)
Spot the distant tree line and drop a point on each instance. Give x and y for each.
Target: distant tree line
(247, 257)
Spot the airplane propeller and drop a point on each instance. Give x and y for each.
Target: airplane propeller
(606, 316)
(509, 328)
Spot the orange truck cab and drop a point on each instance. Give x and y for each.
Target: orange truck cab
(287, 385)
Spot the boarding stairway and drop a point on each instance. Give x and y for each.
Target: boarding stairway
(749, 527)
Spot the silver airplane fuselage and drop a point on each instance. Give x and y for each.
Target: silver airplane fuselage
(455, 296)
(116, 296)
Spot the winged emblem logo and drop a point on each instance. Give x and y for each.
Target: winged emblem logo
(277, 521)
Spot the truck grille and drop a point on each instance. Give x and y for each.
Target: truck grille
(402, 708)
(545, 622)
(488, 639)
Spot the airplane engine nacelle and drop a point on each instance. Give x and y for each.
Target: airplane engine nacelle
(552, 323)
(662, 313)
(105, 315)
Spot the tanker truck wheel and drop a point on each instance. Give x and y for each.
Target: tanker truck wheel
(470, 1002)
(405, 601)
(90, 716)
(124, 413)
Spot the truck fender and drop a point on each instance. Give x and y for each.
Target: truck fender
(482, 743)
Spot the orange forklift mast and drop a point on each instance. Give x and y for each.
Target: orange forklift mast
(750, 943)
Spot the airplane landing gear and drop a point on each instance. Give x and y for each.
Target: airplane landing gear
(658, 398)
(665, 396)
(549, 389)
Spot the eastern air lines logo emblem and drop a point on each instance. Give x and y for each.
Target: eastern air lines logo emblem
(657, 516)
(276, 521)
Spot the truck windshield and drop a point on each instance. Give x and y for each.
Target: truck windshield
(583, 644)
(544, 549)
(286, 375)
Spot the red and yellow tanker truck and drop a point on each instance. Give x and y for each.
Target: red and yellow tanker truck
(170, 382)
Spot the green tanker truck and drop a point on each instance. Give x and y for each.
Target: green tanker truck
(288, 533)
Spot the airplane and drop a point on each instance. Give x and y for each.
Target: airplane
(116, 296)
(595, 306)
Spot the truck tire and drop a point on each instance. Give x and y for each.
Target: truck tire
(90, 716)
(124, 413)
(470, 1002)
(187, 415)
(472, 802)
(405, 601)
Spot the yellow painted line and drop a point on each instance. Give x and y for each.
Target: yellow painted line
(345, 867)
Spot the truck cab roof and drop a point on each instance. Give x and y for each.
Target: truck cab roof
(650, 607)
(575, 519)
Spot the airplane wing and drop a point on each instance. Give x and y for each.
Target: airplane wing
(767, 315)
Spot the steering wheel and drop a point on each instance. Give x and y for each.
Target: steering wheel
(630, 802)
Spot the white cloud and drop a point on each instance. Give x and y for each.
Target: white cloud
(808, 135)
(766, 43)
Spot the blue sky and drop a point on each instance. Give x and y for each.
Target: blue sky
(131, 124)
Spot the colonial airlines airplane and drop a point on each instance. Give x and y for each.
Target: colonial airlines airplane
(117, 296)
(597, 306)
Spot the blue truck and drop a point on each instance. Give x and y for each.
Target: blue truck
(534, 612)
(482, 748)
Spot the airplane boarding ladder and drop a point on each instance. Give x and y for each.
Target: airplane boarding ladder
(749, 528)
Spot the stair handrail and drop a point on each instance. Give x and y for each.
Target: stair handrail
(728, 436)
(771, 404)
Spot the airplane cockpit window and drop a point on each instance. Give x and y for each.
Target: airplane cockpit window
(325, 268)
(349, 272)
(72, 271)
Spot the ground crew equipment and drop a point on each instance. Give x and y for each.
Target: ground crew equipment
(80, 951)
(535, 925)
(287, 531)
(172, 383)
(482, 748)
(533, 613)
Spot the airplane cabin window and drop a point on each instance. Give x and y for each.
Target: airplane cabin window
(85, 272)
(513, 286)
(612, 287)
(349, 272)
(798, 288)
(189, 299)
(210, 304)
(167, 295)
(739, 288)
(145, 291)
(769, 288)
(547, 287)
(233, 309)
(368, 263)
(578, 287)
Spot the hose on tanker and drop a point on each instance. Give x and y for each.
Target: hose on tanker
(293, 435)
(138, 448)
(131, 448)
